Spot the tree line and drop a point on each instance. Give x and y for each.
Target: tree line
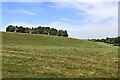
(115, 41)
(38, 30)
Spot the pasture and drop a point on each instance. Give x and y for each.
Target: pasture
(44, 56)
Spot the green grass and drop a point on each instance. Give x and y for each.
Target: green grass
(45, 56)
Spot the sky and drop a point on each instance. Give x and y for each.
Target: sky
(82, 20)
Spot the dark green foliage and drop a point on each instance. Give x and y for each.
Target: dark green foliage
(47, 30)
(27, 30)
(65, 33)
(10, 28)
(44, 30)
(31, 30)
(34, 31)
(61, 33)
(53, 31)
(38, 30)
(115, 41)
(20, 29)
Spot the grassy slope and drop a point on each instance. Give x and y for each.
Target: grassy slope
(35, 56)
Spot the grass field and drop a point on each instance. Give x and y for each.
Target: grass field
(45, 56)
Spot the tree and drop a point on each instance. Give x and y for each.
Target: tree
(20, 29)
(65, 33)
(31, 31)
(47, 30)
(35, 31)
(43, 30)
(53, 31)
(39, 30)
(60, 33)
(16, 27)
(10, 28)
(27, 30)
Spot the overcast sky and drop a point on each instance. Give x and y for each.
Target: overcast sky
(81, 19)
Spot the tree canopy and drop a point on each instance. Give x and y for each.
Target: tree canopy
(38, 30)
(115, 41)
(10, 28)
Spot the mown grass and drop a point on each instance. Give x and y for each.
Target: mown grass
(45, 56)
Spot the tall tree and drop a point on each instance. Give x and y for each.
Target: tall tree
(20, 29)
(16, 28)
(27, 30)
(60, 33)
(46, 30)
(35, 31)
(39, 30)
(31, 31)
(43, 30)
(65, 33)
(10, 28)
(53, 31)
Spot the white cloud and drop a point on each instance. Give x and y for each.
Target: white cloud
(59, 25)
(84, 31)
(24, 12)
(93, 31)
(93, 12)
(98, 12)
(100, 20)
(27, 12)
(65, 19)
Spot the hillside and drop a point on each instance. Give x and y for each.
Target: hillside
(37, 56)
